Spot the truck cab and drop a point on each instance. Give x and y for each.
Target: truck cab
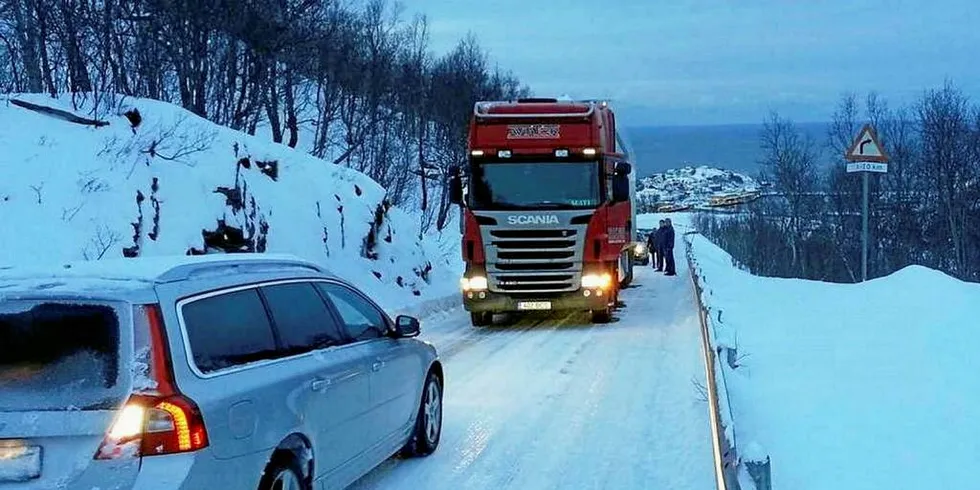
(547, 202)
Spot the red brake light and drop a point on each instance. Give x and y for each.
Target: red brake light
(159, 420)
(148, 426)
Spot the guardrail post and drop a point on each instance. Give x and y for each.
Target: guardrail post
(761, 473)
(732, 357)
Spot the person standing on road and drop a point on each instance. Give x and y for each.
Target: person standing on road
(658, 245)
(652, 248)
(662, 239)
(668, 248)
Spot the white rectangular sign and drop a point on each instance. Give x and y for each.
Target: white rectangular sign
(867, 167)
(534, 305)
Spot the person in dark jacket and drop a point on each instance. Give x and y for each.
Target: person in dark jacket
(658, 241)
(652, 248)
(668, 248)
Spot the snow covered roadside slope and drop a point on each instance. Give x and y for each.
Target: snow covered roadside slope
(176, 183)
(851, 386)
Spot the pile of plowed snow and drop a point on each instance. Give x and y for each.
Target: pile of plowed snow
(160, 180)
(858, 386)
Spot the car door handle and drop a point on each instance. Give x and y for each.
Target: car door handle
(377, 365)
(319, 384)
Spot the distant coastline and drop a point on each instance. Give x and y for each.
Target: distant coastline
(732, 147)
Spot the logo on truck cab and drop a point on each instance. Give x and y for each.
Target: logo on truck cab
(533, 219)
(533, 131)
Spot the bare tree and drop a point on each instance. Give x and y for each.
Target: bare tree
(789, 162)
(357, 78)
(946, 135)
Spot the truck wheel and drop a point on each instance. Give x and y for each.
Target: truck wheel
(602, 316)
(481, 318)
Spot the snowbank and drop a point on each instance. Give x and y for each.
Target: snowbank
(850, 386)
(175, 183)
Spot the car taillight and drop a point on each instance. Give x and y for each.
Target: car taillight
(148, 426)
(159, 420)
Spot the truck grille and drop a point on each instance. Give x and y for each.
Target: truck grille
(535, 260)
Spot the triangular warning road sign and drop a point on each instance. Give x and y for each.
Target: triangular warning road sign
(867, 147)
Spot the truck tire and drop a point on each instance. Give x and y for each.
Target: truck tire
(481, 318)
(601, 316)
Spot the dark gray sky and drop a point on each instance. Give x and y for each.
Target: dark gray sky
(667, 62)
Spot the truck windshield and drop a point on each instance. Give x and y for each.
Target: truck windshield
(535, 185)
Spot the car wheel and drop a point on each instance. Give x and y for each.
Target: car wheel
(481, 318)
(283, 473)
(428, 424)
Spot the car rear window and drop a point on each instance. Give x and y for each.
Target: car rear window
(227, 330)
(56, 356)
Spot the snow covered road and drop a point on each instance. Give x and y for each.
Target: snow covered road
(558, 403)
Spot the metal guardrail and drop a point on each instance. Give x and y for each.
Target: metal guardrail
(725, 456)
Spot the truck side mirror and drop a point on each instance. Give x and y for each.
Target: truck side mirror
(456, 188)
(621, 188)
(623, 168)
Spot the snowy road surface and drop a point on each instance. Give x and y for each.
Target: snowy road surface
(557, 403)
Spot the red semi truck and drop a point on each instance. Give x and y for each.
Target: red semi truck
(548, 209)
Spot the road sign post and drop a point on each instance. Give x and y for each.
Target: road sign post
(866, 155)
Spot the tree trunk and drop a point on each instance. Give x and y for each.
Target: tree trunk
(292, 122)
(27, 34)
(42, 23)
(422, 172)
(77, 69)
(272, 103)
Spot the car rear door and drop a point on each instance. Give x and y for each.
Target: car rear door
(340, 402)
(64, 373)
(396, 368)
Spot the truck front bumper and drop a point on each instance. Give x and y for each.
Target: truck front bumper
(582, 300)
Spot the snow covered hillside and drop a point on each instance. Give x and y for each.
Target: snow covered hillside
(159, 180)
(691, 187)
(864, 386)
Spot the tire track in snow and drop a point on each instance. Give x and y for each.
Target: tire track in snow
(560, 403)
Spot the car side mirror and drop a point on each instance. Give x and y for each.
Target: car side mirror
(407, 326)
(456, 189)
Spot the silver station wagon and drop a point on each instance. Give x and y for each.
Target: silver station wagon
(244, 371)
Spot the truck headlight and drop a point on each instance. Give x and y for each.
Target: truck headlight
(596, 281)
(475, 283)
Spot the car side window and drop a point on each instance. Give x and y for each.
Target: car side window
(301, 317)
(362, 319)
(229, 329)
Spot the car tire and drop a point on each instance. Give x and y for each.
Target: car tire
(284, 472)
(428, 423)
(481, 318)
(602, 316)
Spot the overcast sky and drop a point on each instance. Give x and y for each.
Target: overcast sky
(667, 62)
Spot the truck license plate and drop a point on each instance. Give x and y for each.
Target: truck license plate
(19, 463)
(534, 305)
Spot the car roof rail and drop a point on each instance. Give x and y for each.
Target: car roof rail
(240, 263)
(162, 269)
